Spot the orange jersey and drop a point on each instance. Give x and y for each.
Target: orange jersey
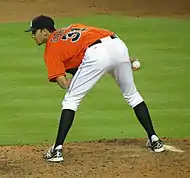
(66, 47)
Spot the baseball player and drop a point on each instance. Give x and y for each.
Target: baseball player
(87, 53)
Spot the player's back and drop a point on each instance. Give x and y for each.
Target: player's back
(69, 44)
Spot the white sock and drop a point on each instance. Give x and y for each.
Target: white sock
(154, 138)
(58, 147)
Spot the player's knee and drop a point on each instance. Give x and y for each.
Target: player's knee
(133, 99)
(69, 104)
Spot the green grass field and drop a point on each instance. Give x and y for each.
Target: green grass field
(30, 106)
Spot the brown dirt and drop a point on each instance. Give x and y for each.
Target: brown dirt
(14, 10)
(116, 158)
(105, 159)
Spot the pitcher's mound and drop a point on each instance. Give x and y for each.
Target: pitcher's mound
(102, 159)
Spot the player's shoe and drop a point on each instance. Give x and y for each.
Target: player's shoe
(155, 144)
(54, 154)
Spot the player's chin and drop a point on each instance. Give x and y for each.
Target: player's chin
(38, 43)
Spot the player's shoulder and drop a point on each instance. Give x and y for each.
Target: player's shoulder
(78, 25)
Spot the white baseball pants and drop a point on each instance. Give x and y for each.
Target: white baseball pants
(111, 55)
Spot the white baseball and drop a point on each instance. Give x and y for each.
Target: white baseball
(136, 65)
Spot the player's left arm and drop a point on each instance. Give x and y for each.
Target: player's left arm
(132, 59)
(135, 64)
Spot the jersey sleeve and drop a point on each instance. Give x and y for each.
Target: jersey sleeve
(53, 62)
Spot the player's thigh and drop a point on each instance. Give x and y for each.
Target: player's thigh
(123, 76)
(84, 79)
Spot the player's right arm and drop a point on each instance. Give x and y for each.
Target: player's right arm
(55, 66)
(63, 81)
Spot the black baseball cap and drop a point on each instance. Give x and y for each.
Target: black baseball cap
(41, 22)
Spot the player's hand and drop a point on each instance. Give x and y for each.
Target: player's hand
(135, 64)
(63, 81)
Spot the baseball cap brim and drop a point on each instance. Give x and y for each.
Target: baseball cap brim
(30, 29)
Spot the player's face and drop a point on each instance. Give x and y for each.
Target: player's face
(38, 36)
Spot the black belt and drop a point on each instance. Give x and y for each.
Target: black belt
(99, 41)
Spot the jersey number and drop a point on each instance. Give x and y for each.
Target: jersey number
(74, 35)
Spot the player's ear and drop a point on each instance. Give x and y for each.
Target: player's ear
(45, 32)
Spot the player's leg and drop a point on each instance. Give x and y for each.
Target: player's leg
(123, 75)
(82, 82)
